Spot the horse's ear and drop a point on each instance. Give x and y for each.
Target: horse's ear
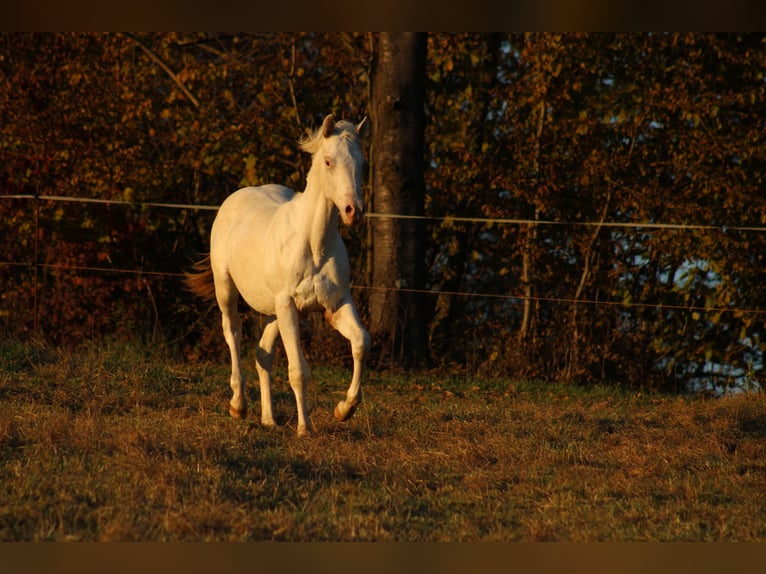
(328, 125)
(363, 127)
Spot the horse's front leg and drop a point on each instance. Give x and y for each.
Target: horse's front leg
(346, 321)
(263, 362)
(297, 367)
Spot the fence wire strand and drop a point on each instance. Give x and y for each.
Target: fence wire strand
(444, 219)
(438, 218)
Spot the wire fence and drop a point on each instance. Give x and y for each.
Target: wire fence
(37, 265)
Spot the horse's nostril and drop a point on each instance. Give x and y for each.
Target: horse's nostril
(349, 210)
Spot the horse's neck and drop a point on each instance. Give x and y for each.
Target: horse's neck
(321, 221)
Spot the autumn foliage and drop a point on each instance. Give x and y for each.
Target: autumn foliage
(631, 167)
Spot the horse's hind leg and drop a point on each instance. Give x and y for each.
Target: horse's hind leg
(227, 296)
(264, 360)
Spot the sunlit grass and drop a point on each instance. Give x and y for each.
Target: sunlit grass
(122, 444)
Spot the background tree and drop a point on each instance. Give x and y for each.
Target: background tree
(631, 168)
(397, 110)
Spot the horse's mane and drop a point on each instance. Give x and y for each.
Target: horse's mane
(312, 140)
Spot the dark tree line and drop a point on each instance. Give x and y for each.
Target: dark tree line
(579, 137)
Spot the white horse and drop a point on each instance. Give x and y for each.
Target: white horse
(283, 253)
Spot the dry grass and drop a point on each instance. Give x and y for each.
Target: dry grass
(121, 444)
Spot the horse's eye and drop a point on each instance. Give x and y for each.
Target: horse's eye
(328, 162)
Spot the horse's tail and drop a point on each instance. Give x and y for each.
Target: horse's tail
(200, 281)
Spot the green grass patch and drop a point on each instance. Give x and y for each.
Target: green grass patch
(121, 443)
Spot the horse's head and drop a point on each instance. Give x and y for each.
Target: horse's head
(338, 162)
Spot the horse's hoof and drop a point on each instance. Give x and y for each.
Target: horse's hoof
(341, 413)
(304, 432)
(238, 413)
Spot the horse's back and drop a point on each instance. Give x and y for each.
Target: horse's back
(247, 209)
(264, 199)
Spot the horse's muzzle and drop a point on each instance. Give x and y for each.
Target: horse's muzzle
(352, 215)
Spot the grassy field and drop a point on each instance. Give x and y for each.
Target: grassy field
(123, 444)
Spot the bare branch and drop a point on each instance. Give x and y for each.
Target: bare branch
(157, 60)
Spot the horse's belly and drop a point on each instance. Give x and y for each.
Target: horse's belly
(259, 299)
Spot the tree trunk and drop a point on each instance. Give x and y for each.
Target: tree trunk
(398, 125)
(527, 262)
